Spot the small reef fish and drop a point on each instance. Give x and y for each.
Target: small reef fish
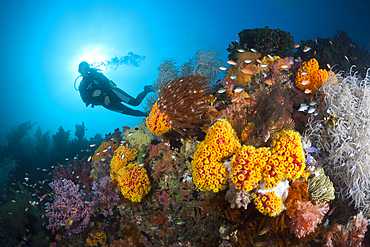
(329, 67)
(223, 68)
(248, 60)
(304, 73)
(180, 222)
(221, 90)
(122, 156)
(264, 65)
(304, 82)
(259, 60)
(142, 164)
(284, 66)
(247, 71)
(270, 56)
(263, 231)
(311, 110)
(92, 145)
(269, 82)
(303, 107)
(296, 46)
(307, 91)
(254, 50)
(130, 134)
(241, 50)
(161, 151)
(232, 77)
(231, 62)
(238, 89)
(312, 103)
(306, 49)
(347, 58)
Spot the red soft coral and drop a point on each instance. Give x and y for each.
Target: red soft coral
(306, 218)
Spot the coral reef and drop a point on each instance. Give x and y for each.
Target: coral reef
(264, 40)
(247, 164)
(309, 77)
(306, 218)
(320, 188)
(220, 142)
(352, 235)
(338, 53)
(71, 207)
(268, 204)
(249, 160)
(182, 104)
(133, 181)
(341, 135)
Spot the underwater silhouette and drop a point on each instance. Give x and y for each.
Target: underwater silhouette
(96, 89)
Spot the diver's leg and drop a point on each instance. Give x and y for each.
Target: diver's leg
(118, 107)
(129, 99)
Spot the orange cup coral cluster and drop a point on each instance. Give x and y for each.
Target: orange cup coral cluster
(104, 149)
(285, 161)
(269, 204)
(247, 166)
(133, 181)
(208, 172)
(309, 77)
(96, 237)
(120, 159)
(158, 122)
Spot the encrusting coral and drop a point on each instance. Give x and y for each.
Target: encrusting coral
(309, 77)
(208, 172)
(181, 106)
(133, 181)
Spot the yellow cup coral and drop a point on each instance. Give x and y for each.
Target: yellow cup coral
(287, 160)
(268, 204)
(133, 181)
(309, 77)
(104, 149)
(210, 176)
(120, 159)
(95, 237)
(247, 165)
(221, 141)
(158, 122)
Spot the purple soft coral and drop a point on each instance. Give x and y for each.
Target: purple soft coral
(71, 207)
(105, 196)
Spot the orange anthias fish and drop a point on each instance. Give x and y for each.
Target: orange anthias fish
(247, 71)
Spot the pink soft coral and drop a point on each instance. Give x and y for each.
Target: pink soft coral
(351, 235)
(307, 217)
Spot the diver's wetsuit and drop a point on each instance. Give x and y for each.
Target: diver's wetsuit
(110, 96)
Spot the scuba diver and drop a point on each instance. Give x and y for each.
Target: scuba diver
(96, 89)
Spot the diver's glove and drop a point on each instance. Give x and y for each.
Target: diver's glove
(96, 93)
